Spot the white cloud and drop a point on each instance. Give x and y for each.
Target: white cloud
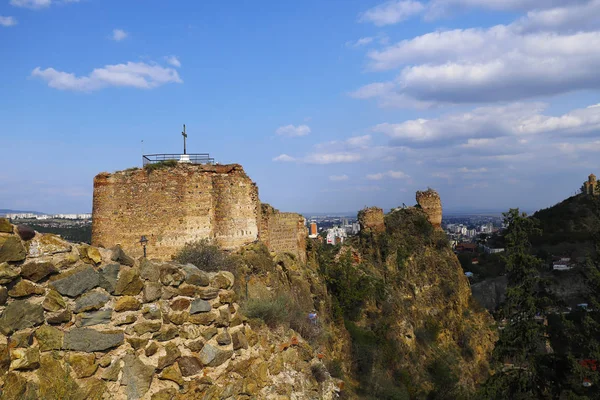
(119, 34)
(293, 131)
(483, 125)
(392, 12)
(360, 42)
(389, 174)
(7, 21)
(38, 4)
(174, 61)
(338, 178)
(332, 158)
(576, 17)
(466, 170)
(34, 4)
(284, 158)
(484, 65)
(138, 75)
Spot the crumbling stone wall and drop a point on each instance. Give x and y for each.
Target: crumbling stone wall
(80, 322)
(283, 232)
(430, 202)
(179, 204)
(175, 205)
(371, 220)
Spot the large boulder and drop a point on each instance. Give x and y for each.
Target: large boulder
(119, 256)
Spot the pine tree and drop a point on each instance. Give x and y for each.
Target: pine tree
(522, 337)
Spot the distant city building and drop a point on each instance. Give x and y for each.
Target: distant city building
(336, 235)
(563, 264)
(313, 232)
(491, 250)
(45, 216)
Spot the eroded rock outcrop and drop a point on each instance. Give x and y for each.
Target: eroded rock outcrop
(371, 220)
(429, 201)
(82, 322)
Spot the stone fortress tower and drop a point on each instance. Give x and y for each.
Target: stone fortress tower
(590, 187)
(179, 201)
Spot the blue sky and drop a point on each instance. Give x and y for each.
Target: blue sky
(329, 105)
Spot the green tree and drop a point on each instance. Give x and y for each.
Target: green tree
(522, 338)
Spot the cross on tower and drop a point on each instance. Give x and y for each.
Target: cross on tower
(184, 137)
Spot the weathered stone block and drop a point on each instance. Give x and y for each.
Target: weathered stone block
(108, 277)
(94, 318)
(152, 291)
(83, 364)
(36, 271)
(90, 340)
(49, 338)
(59, 317)
(119, 256)
(213, 356)
(137, 376)
(129, 282)
(172, 373)
(75, 282)
(172, 353)
(91, 301)
(11, 249)
(200, 306)
(189, 366)
(239, 340)
(180, 304)
(47, 244)
(20, 314)
(127, 303)
(223, 280)
(25, 288)
(24, 359)
(147, 326)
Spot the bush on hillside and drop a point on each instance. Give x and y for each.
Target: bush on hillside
(206, 256)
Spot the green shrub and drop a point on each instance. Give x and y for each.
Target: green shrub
(335, 368)
(273, 311)
(429, 332)
(319, 372)
(206, 256)
(160, 165)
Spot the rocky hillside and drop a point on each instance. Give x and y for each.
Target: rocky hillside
(401, 294)
(80, 322)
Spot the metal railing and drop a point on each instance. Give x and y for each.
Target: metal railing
(199, 158)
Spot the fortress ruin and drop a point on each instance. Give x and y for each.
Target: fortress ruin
(179, 203)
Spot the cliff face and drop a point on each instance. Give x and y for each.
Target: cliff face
(414, 327)
(80, 322)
